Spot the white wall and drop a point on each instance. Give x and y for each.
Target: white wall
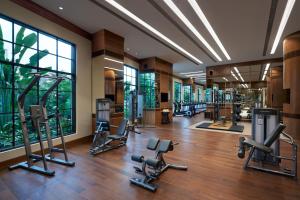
(83, 67)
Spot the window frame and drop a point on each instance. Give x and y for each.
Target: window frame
(13, 65)
(180, 91)
(190, 93)
(130, 84)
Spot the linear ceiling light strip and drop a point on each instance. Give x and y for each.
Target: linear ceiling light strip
(182, 17)
(238, 73)
(150, 28)
(195, 72)
(198, 11)
(284, 19)
(266, 71)
(114, 60)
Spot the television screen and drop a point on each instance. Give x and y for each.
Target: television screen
(164, 97)
(111, 97)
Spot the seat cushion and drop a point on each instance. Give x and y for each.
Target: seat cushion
(137, 158)
(152, 162)
(257, 145)
(115, 137)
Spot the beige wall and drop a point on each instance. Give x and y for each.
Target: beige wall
(83, 78)
(97, 80)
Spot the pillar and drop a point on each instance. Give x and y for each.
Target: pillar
(291, 83)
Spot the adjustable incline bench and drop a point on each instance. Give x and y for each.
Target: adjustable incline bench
(267, 150)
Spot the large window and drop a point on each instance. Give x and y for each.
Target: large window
(187, 93)
(130, 81)
(200, 92)
(23, 51)
(177, 92)
(147, 85)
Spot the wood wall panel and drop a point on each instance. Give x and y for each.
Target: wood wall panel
(165, 71)
(276, 94)
(291, 81)
(109, 42)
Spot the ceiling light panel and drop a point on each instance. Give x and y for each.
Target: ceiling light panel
(286, 14)
(113, 69)
(183, 18)
(267, 67)
(150, 28)
(200, 14)
(196, 72)
(113, 60)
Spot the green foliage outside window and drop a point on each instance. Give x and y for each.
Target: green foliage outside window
(130, 75)
(177, 92)
(187, 93)
(21, 55)
(147, 85)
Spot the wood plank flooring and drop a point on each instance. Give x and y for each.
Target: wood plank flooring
(215, 172)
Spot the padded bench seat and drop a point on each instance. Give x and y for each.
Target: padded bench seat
(152, 162)
(258, 145)
(115, 137)
(137, 158)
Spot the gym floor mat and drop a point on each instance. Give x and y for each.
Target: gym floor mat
(205, 125)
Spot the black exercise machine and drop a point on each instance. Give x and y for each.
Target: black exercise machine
(39, 118)
(103, 140)
(182, 110)
(265, 149)
(152, 168)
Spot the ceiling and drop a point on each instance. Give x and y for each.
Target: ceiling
(241, 26)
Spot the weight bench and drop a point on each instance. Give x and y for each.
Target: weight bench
(152, 168)
(103, 140)
(265, 148)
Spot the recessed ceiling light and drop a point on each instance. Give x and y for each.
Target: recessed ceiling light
(60, 8)
(284, 19)
(150, 28)
(110, 59)
(198, 11)
(183, 18)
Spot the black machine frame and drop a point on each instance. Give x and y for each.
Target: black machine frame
(249, 144)
(102, 139)
(152, 168)
(39, 117)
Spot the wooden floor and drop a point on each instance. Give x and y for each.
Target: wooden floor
(214, 172)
